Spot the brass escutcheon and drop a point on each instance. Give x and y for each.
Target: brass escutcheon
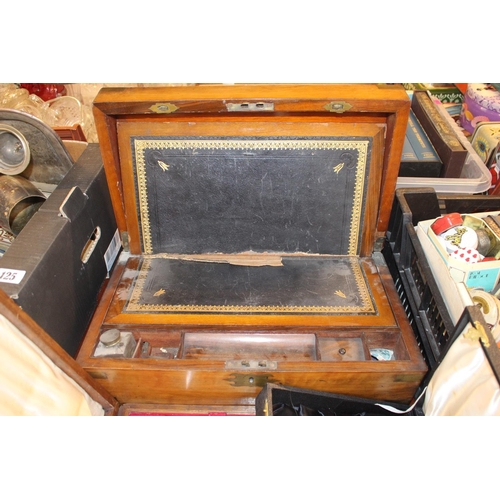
(250, 380)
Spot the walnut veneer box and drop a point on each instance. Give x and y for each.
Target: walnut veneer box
(251, 217)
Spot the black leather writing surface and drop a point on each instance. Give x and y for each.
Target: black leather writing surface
(231, 195)
(313, 285)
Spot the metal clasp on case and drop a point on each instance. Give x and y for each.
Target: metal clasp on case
(250, 106)
(251, 364)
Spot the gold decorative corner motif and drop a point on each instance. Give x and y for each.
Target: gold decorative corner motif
(339, 293)
(163, 107)
(338, 168)
(163, 165)
(160, 292)
(338, 107)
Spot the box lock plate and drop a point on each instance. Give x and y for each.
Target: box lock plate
(254, 378)
(250, 380)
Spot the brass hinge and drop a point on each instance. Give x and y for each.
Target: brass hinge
(163, 107)
(338, 107)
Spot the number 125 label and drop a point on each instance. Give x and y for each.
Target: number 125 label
(11, 276)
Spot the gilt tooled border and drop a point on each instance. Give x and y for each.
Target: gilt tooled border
(142, 144)
(134, 304)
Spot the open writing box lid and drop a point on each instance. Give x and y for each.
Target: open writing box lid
(255, 175)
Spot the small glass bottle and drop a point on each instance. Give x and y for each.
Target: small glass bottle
(116, 344)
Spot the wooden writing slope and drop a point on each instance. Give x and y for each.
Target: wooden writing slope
(251, 216)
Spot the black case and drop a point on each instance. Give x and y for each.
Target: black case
(60, 291)
(277, 400)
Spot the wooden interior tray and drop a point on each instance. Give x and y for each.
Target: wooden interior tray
(226, 363)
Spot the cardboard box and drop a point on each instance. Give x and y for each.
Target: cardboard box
(56, 266)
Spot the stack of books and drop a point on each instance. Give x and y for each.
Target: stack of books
(419, 156)
(432, 148)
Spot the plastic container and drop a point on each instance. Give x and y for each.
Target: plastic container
(475, 178)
